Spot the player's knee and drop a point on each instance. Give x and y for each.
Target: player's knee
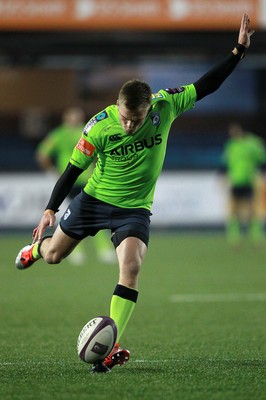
(53, 257)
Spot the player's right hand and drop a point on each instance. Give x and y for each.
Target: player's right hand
(48, 219)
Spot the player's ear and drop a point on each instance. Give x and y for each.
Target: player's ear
(117, 103)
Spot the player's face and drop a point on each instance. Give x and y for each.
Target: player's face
(131, 121)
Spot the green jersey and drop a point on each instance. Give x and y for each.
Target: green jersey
(128, 166)
(243, 156)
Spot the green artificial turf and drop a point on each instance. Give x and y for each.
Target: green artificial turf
(208, 343)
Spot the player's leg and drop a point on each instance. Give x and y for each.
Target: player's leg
(52, 248)
(233, 232)
(130, 254)
(256, 225)
(59, 246)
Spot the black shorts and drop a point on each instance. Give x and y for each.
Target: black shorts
(86, 216)
(242, 192)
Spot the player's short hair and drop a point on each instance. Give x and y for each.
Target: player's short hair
(135, 94)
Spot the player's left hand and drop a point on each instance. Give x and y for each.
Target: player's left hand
(244, 33)
(48, 219)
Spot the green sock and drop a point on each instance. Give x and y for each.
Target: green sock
(256, 230)
(36, 248)
(233, 230)
(35, 252)
(122, 305)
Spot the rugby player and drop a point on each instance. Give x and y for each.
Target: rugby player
(129, 140)
(244, 161)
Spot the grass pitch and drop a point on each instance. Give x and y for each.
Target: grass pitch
(198, 330)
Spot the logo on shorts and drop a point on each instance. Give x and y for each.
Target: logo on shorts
(67, 214)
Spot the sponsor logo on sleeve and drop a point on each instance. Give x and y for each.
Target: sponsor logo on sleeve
(85, 147)
(155, 118)
(101, 116)
(94, 121)
(158, 95)
(89, 125)
(175, 90)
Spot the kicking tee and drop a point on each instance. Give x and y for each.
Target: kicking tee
(128, 166)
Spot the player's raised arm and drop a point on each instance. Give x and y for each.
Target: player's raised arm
(213, 79)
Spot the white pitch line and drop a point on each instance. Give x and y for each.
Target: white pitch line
(138, 361)
(182, 360)
(32, 363)
(216, 298)
(36, 363)
(149, 361)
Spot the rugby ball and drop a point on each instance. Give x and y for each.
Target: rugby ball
(97, 339)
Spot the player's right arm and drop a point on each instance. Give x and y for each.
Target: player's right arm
(61, 190)
(82, 156)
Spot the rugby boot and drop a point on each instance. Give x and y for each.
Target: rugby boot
(25, 258)
(118, 356)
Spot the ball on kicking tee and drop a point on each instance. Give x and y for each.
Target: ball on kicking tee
(96, 339)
